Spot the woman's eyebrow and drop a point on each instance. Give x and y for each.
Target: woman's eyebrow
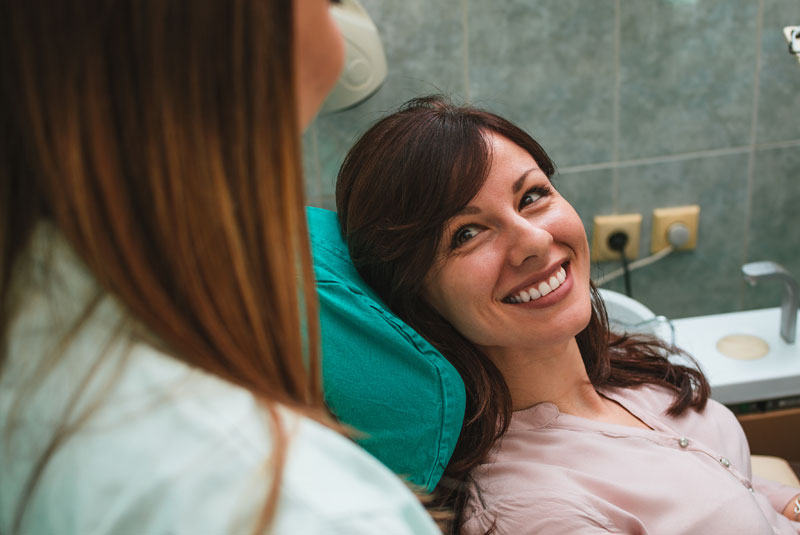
(521, 180)
(468, 210)
(515, 187)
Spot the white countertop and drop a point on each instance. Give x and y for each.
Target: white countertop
(775, 375)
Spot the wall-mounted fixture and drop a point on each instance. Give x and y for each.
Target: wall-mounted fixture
(617, 237)
(365, 61)
(792, 34)
(676, 226)
(607, 225)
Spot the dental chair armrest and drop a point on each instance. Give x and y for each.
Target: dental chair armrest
(774, 469)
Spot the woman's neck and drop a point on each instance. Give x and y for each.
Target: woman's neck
(557, 375)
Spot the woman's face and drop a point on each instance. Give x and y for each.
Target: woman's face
(319, 56)
(513, 266)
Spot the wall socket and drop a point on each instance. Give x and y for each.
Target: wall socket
(605, 226)
(664, 217)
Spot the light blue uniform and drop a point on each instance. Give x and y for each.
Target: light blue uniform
(169, 449)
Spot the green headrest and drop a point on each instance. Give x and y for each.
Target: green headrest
(380, 376)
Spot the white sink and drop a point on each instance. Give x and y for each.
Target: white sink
(775, 375)
(629, 315)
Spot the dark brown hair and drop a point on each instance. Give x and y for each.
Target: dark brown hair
(160, 139)
(399, 185)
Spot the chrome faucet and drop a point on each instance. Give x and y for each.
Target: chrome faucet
(755, 271)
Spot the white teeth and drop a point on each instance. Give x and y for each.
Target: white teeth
(544, 289)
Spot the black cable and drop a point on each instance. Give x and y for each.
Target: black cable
(626, 274)
(617, 242)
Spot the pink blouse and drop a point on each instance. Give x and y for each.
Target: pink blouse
(555, 473)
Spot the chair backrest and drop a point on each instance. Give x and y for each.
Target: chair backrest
(380, 376)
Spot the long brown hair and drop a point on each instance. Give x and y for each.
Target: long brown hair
(160, 139)
(399, 185)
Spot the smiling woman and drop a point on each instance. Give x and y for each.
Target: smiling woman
(451, 216)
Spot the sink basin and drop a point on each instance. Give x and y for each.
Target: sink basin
(774, 375)
(629, 315)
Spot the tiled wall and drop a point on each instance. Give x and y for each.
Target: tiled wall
(642, 104)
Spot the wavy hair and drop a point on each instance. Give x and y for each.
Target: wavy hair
(160, 139)
(398, 186)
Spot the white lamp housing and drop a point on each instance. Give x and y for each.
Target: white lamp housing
(365, 61)
(792, 34)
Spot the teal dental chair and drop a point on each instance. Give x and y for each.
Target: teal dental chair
(380, 377)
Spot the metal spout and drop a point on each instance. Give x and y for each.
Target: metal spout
(766, 270)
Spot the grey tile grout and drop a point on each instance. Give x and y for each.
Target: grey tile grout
(656, 159)
(615, 107)
(465, 47)
(778, 144)
(748, 208)
(678, 157)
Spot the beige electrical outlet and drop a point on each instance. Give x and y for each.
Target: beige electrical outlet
(605, 226)
(664, 217)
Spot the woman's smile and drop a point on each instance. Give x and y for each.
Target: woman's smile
(542, 287)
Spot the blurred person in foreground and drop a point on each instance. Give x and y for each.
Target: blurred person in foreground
(160, 367)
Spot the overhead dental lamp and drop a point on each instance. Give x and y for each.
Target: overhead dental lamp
(365, 61)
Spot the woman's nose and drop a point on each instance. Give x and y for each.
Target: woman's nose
(528, 240)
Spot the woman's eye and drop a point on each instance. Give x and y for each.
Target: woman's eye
(463, 235)
(533, 195)
(529, 198)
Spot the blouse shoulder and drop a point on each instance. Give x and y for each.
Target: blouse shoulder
(181, 451)
(197, 456)
(543, 511)
(715, 426)
(656, 399)
(333, 486)
(328, 483)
